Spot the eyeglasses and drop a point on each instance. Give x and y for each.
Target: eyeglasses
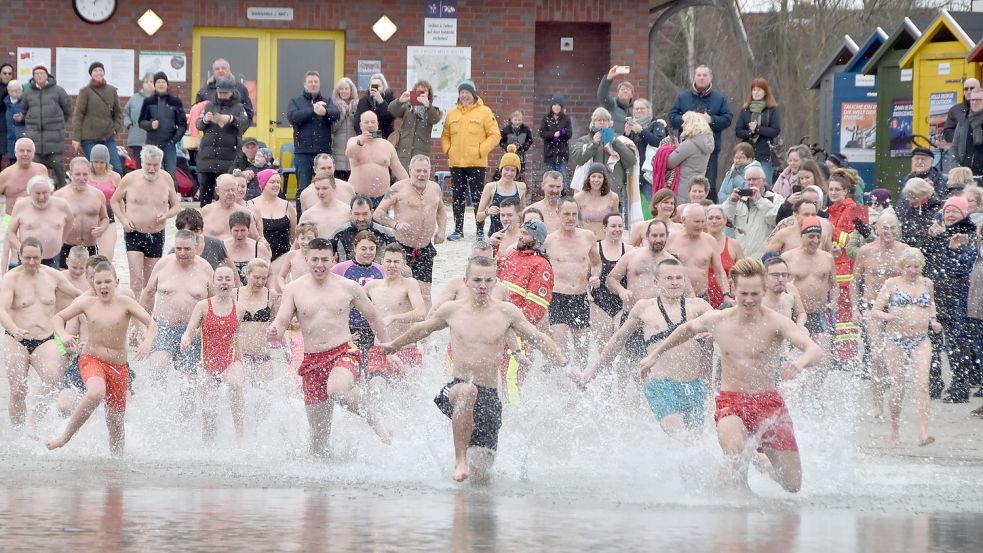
(778, 275)
(969, 88)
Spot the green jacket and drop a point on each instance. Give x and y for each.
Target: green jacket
(414, 134)
(97, 113)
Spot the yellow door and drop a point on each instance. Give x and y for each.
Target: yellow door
(939, 88)
(271, 64)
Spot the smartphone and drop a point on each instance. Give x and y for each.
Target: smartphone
(622, 70)
(607, 136)
(796, 188)
(415, 98)
(745, 192)
(374, 87)
(376, 134)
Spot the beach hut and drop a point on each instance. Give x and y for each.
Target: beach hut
(822, 81)
(939, 63)
(892, 152)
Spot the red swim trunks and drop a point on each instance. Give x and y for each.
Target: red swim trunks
(763, 412)
(117, 379)
(378, 364)
(317, 367)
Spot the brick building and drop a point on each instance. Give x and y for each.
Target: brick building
(516, 57)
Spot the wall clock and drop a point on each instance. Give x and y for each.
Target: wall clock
(94, 11)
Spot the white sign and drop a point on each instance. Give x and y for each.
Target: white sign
(172, 64)
(864, 81)
(439, 32)
(906, 75)
(270, 14)
(443, 67)
(28, 59)
(944, 68)
(73, 68)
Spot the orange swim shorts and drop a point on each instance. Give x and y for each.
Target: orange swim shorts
(117, 379)
(378, 364)
(317, 367)
(763, 412)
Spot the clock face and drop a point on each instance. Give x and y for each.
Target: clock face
(95, 11)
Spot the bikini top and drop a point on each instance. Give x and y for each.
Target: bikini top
(900, 298)
(593, 216)
(659, 336)
(260, 316)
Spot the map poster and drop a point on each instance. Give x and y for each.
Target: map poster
(173, 64)
(443, 67)
(73, 68)
(858, 124)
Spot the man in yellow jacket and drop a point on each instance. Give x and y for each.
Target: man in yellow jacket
(470, 133)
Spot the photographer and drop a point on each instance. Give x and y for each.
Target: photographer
(753, 210)
(377, 99)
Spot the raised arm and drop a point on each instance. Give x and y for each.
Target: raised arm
(436, 321)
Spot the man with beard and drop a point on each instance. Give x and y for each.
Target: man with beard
(343, 239)
(549, 206)
(44, 217)
(143, 202)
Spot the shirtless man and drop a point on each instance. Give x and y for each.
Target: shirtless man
(479, 325)
(44, 217)
(322, 302)
(780, 294)
(216, 214)
(508, 212)
(88, 207)
(13, 179)
(697, 251)
(875, 263)
(675, 385)
(329, 214)
(343, 192)
(549, 206)
(176, 285)
(789, 237)
(418, 219)
(752, 340)
(143, 203)
(577, 269)
(295, 265)
(457, 288)
(27, 305)
(103, 363)
(373, 159)
(814, 275)
(400, 303)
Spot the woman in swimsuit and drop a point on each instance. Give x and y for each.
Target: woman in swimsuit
(243, 249)
(104, 179)
(258, 304)
(279, 216)
(596, 200)
(496, 191)
(218, 320)
(663, 208)
(906, 303)
(730, 250)
(606, 305)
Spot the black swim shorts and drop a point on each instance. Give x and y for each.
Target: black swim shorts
(487, 414)
(150, 244)
(420, 261)
(66, 248)
(572, 310)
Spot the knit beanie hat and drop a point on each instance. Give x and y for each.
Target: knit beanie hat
(510, 159)
(537, 229)
(467, 84)
(597, 168)
(881, 196)
(811, 224)
(96, 65)
(43, 68)
(959, 203)
(264, 177)
(99, 153)
(557, 99)
(161, 75)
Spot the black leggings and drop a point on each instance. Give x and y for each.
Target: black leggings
(467, 181)
(206, 187)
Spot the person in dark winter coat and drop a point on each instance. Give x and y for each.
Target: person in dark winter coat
(377, 98)
(967, 139)
(46, 110)
(759, 124)
(952, 250)
(221, 70)
(162, 116)
(556, 130)
(6, 75)
(222, 123)
(14, 116)
(516, 132)
(418, 122)
(958, 112)
(702, 98)
(620, 107)
(311, 115)
(922, 168)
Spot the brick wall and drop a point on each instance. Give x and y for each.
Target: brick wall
(501, 33)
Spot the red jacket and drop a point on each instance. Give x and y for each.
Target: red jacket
(528, 276)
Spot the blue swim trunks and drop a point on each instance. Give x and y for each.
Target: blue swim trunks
(169, 339)
(668, 396)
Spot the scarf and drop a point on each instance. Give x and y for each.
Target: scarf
(975, 121)
(757, 106)
(644, 121)
(662, 176)
(698, 92)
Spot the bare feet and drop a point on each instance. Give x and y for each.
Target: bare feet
(461, 471)
(893, 438)
(55, 443)
(926, 440)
